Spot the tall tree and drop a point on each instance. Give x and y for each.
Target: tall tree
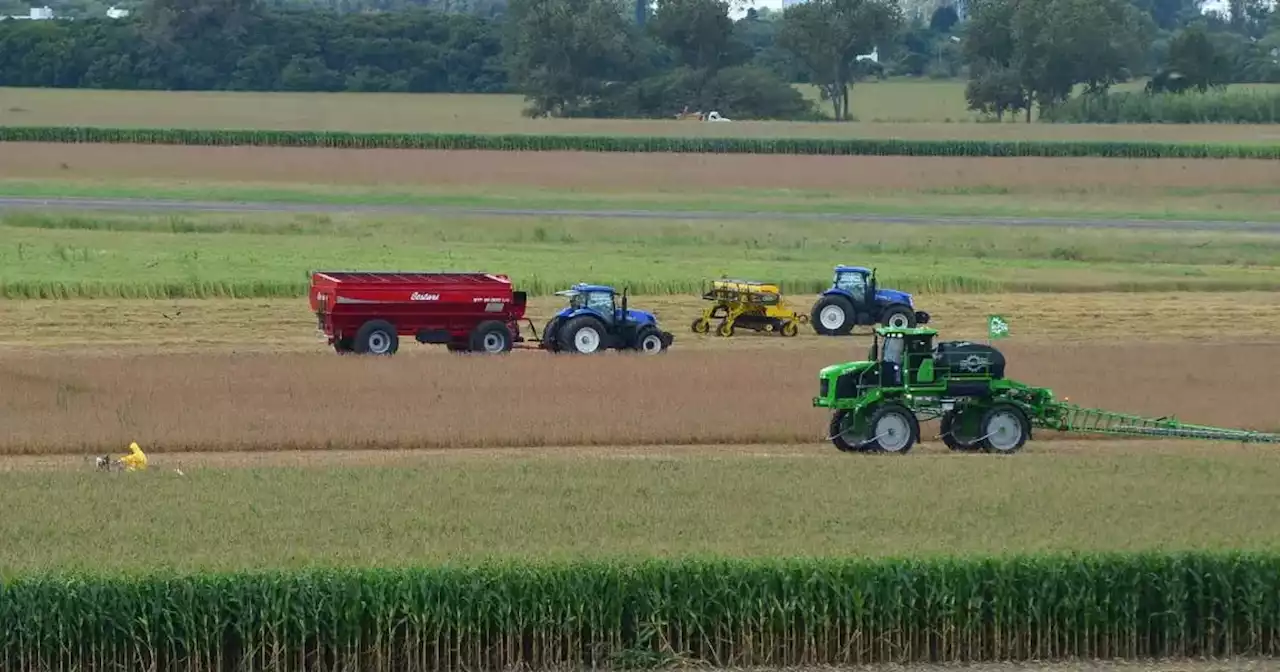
(828, 35)
(564, 54)
(1193, 56)
(1052, 46)
(698, 31)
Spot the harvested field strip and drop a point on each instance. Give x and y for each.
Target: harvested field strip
(719, 612)
(279, 325)
(183, 403)
(634, 144)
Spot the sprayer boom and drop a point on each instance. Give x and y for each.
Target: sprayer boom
(1071, 418)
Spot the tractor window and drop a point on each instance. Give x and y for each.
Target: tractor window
(893, 350)
(855, 283)
(578, 301)
(600, 301)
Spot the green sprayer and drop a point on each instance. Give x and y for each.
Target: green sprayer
(878, 404)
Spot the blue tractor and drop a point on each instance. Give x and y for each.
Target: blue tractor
(854, 299)
(595, 320)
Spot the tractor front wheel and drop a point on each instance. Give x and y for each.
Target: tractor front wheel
(843, 433)
(649, 340)
(893, 429)
(898, 317)
(1005, 429)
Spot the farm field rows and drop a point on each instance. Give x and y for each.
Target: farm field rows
(268, 451)
(1028, 186)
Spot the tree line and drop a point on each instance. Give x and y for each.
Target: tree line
(623, 58)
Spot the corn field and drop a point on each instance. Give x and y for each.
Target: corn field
(721, 612)
(723, 145)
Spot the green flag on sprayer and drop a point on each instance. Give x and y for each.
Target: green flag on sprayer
(997, 327)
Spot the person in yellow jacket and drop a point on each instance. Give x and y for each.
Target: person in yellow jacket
(136, 460)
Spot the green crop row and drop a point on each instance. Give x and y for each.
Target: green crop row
(721, 612)
(735, 145)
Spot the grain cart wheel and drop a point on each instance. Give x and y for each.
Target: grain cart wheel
(343, 345)
(701, 325)
(892, 429)
(649, 340)
(898, 317)
(491, 337)
(789, 329)
(725, 329)
(1005, 429)
(583, 335)
(844, 433)
(832, 316)
(377, 337)
(955, 435)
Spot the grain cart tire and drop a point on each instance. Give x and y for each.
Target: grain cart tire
(377, 337)
(948, 428)
(789, 329)
(843, 438)
(832, 316)
(893, 428)
(701, 325)
(898, 317)
(725, 329)
(1005, 429)
(649, 340)
(491, 337)
(582, 335)
(343, 345)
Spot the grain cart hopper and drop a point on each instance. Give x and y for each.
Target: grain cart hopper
(854, 299)
(746, 303)
(877, 404)
(368, 312)
(596, 320)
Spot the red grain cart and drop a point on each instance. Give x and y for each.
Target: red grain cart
(368, 312)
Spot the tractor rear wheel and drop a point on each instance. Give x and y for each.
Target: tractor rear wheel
(954, 434)
(832, 316)
(1005, 429)
(582, 335)
(893, 428)
(491, 337)
(377, 337)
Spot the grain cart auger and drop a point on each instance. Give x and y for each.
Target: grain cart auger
(878, 404)
(757, 306)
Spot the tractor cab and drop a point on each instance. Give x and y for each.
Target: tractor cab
(601, 301)
(906, 358)
(856, 282)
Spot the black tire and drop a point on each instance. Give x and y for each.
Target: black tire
(845, 441)
(583, 324)
(829, 304)
(649, 340)
(549, 341)
(377, 337)
(491, 337)
(892, 414)
(1005, 428)
(959, 443)
(343, 346)
(899, 317)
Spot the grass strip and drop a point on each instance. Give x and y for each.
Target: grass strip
(725, 612)
(633, 144)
